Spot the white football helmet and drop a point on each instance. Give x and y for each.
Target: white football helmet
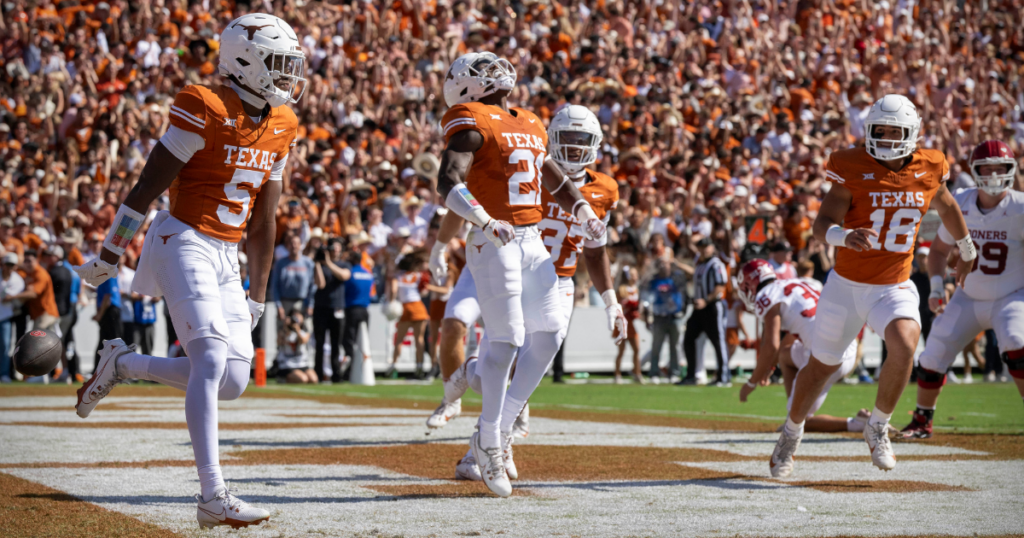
(263, 53)
(897, 111)
(574, 137)
(476, 75)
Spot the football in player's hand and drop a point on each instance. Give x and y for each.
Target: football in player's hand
(37, 353)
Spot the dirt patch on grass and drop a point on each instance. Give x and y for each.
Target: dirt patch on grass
(30, 509)
(231, 426)
(461, 489)
(656, 420)
(999, 447)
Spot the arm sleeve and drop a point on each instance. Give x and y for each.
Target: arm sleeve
(277, 170)
(458, 118)
(189, 111)
(183, 144)
(944, 171)
(832, 172)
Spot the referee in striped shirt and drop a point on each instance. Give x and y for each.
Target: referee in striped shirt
(709, 313)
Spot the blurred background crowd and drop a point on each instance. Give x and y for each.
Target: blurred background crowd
(712, 111)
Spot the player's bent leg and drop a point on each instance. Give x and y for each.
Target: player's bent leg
(209, 363)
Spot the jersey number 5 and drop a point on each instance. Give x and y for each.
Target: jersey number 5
(531, 174)
(903, 223)
(236, 193)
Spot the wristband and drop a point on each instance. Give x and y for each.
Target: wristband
(967, 251)
(464, 204)
(609, 298)
(584, 213)
(126, 222)
(938, 287)
(836, 235)
(751, 385)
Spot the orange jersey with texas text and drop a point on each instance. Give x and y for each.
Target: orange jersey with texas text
(215, 190)
(891, 203)
(505, 175)
(562, 233)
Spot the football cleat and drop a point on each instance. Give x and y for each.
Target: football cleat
(492, 467)
(444, 413)
(920, 427)
(104, 377)
(506, 456)
(781, 463)
(226, 509)
(877, 437)
(467, 469)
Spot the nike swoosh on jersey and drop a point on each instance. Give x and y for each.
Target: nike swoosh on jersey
(533, 121)
(279, 131)
(919, 175)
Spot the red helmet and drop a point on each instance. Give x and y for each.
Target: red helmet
(752, 275)
(993, 152)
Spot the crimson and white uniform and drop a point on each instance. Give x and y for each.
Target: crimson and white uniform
(798, 308)
(993, 295)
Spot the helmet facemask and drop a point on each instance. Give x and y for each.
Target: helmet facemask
(574, 150)
(886, 149)
(284, 78)
(495, 74)
(994, 183)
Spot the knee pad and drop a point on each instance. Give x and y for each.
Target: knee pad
(1015, 362)
(930, 379)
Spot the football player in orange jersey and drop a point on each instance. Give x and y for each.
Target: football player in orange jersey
(222, 158)
(574, 140)
(871, 215)
(491, 174)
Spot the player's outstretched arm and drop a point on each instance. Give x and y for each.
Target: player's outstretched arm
(953, 220)
(158, 174)
(451, 183)
(938, 257)
(601, 275)
(569, 198)
(828, 224)
(768, 356)
(259, 245)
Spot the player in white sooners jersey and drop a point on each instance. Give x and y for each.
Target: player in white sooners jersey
(790, 306)
(992, 296)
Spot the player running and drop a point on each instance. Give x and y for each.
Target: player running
(491, 174)
(993, 295)
(790, 306)
(871, 214)
(574, 139)
(222, 158)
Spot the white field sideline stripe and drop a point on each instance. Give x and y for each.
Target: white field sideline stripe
(456, 123)
(189, 114)
(188, 119)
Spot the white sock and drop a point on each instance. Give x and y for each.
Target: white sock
(854, 425)
(493, 372)
(878, 417)
(472, 376)
(510, 412)
(919, 406)
(489, 437)
(792, 428)
(211, 481)
(133, 366)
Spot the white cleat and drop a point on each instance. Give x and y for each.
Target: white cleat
(457, 383)
(104, 377)
(781, 463)
(492, 468)
(226, 509)
(444, 413)
(521, 427)
(467, 469)
(877, 436)
(506, 456)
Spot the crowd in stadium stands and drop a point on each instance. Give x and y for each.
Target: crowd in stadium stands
(712, 110)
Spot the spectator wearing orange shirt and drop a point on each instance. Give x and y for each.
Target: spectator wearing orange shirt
(22, 233)
(95, 213)
(38, 295)
(7, 239)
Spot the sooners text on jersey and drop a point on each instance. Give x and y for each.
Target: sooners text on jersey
(999, 237)
(214, 192)
(891, 203)
(799, 305)
(505, 175)
(562, 233)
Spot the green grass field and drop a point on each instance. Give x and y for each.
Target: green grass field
(977, 408)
